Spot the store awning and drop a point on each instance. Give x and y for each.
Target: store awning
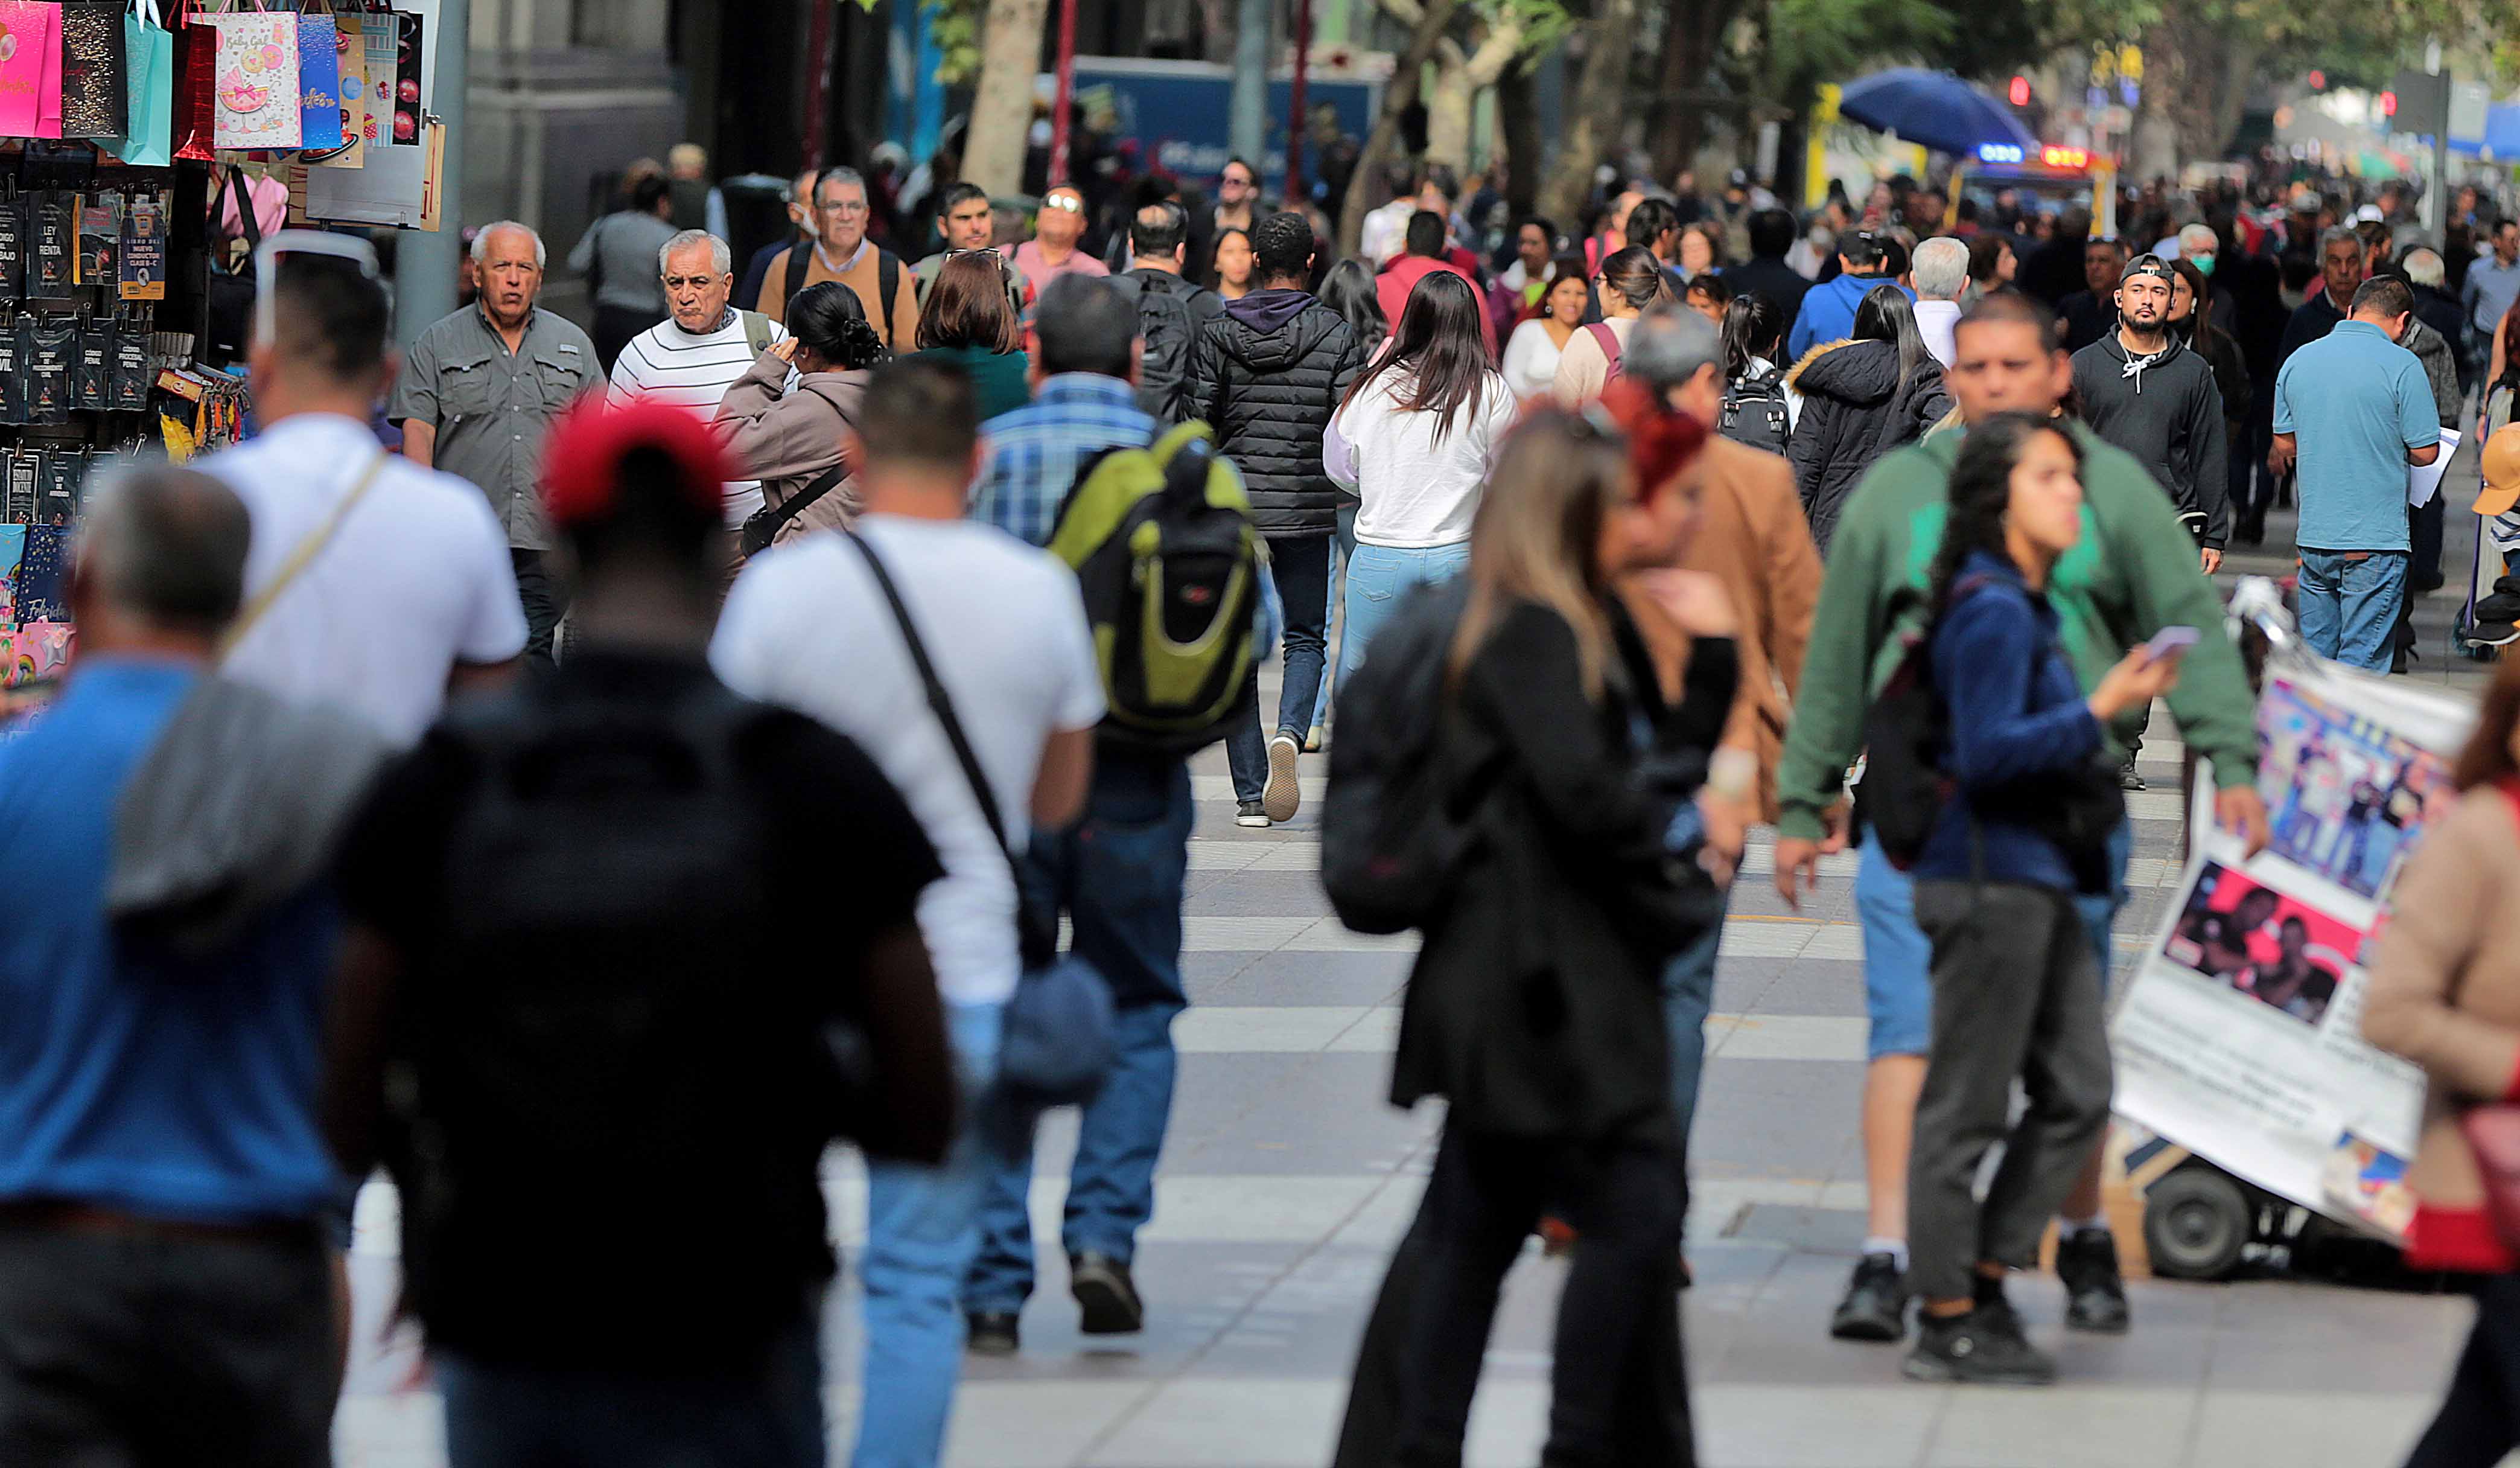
(1935, 108)
(2503, 131)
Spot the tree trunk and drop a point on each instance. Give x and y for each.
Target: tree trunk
(1593, 123)
(1364, 191)
(1449, 108)
(993, 154)
(1689, 33)
(1518, 119)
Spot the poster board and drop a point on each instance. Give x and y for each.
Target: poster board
(2239, 1035)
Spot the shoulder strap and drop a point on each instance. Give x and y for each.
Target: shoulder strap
(1037, 946)
(887, 284)
(795, 277)
(762, 527)
(1606, 338)
(300, 558)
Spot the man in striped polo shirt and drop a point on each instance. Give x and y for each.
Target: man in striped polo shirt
(691, 357)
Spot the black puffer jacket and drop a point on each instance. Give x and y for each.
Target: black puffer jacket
(1855, 410)
(1270, 371)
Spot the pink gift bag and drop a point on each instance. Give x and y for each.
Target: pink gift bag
(30, 69)
(254, 89)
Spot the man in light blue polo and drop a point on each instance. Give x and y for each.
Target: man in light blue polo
(2355, 409)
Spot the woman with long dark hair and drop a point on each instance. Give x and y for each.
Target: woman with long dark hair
(1631, 281)
(2192, 320)
(1413, 440)
(1233, 262)
(1862, 398)
(2016, 984)
(968, 322)
(1348, 289)
(1539, 340)
(1533, 1007)
(1759, 411)
(2446, 995)
(792, 436)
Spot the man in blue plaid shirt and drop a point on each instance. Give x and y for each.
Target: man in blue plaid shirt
(1118, 872)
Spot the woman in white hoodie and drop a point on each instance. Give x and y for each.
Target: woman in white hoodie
(1413, 440)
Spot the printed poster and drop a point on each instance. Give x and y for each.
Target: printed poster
(2239, 1035)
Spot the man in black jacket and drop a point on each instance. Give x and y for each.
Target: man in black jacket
(1269, 372)
(2141, 390)
(1172, 312)
(1772, 234)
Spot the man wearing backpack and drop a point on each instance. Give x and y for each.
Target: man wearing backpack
(1118, 873)
(1172, 312)
(575, 974)
(2140, 574)
(1009, 719)
(840, 250)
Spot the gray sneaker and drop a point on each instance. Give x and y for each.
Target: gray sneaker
(1280, 798)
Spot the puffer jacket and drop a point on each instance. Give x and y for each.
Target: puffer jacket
(1270, 373)
(789, 438)
(1855, 410)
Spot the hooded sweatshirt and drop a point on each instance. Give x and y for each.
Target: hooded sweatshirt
(2165, 411)
(1827, 311)
(1856, 407)
(1268, 373)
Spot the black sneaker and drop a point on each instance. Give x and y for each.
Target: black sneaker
(2128, 779)
(1875, 1307)
(1106, 1295)
(1983, 1347)
(2087, 1260)
(992, 1333)
(1249, 813)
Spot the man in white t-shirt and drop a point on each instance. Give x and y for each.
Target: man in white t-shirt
(809, 627)
(372, 583)
(691, 357)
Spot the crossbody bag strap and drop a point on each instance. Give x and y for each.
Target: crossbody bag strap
(1038, 946)
(300, 558)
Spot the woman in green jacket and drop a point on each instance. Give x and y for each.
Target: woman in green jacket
(966, 321)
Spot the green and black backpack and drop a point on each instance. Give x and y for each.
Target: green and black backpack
(1162, 544)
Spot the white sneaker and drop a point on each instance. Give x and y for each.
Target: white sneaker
(1281, 796)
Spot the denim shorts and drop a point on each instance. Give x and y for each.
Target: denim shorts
(1898, 961)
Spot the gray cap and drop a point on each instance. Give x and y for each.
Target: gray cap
(1668, 345)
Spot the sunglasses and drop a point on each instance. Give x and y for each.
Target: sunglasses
(1066, 203)
(288, 242)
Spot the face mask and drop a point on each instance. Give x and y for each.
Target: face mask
(2204, 264)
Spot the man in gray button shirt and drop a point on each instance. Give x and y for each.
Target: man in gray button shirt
(479, 389)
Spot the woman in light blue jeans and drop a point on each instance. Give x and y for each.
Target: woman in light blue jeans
(1413, 440)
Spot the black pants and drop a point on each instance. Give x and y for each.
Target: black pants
(142, 1349)
(1617, 1390)
(2480, 1419)
(544, 600)
(1302, 570)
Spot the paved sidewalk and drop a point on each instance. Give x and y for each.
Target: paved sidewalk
(1287, 1179)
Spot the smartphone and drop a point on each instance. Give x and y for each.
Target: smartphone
(2170, 642)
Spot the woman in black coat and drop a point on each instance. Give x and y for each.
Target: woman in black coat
(1535, 1006)
(1861, 398)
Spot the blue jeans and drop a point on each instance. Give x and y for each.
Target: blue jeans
(1687, 998)
(922, 1227)
(1376, 577)
(2349, 604)
(503, 1416)
(1301, 568)
(1118, 873)
(1344, 547)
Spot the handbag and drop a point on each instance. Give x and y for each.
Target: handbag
(30, 69)
(319, 82)
(762, 525)
(228, 297)
(95, 103)
(147, 138)
(1058, 1044)
(254, 88)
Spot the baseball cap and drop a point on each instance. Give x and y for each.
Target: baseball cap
(2369, 213)
(2150, 265)
(582, 458)
(2502, 460)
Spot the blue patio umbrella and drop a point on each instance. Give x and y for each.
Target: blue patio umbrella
(1935, 108)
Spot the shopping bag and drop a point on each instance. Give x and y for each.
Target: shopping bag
(147, 140)
(254, 90)
(350, 74)
(319, 83)
(95, 99)
(197, 61)
(30, 69)
(403, 122)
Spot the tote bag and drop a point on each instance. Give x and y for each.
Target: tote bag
(31, 69)
(149, 90)
(95, 102)
(254, 90)
(319, 82)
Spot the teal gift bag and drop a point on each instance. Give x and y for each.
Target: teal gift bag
(148, 70)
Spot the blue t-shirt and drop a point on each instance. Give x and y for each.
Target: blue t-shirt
(129, 1081)
(2355, 402)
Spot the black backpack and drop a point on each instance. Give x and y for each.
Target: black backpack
(1396, 824)
(611, 1005)
(1166, 326)
(1754, 411)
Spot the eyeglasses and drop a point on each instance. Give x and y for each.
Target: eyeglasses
(845, 207)
(1236, 180)
(1066, 203)
(695, 282)
(288, 241)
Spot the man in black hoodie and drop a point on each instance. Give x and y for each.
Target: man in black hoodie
(2143, 390)
(1267, 375)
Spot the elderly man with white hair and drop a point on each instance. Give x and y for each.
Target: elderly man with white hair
(1940, 269)
(702, 346)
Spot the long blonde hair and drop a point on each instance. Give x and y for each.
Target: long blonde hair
(1537, 537)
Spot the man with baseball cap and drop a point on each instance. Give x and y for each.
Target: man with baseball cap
(575, 944)
(2145, 391)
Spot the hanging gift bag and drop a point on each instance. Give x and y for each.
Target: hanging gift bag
(404, 121)
(149, 90)
(254, 89)
(350, 68)
(95, 58)
(319, 83)
(197, 61)
(31, 69)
